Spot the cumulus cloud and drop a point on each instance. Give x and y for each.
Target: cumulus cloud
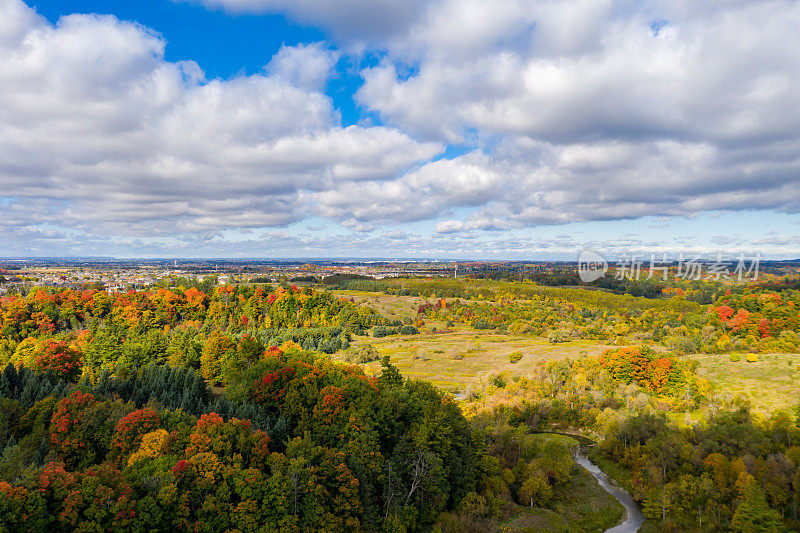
(307, 66)
(423, 193)
(476, 223)
(596, 110)
(562, 111)
(99, 132)
(566, 71)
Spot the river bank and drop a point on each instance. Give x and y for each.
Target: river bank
(633, 515)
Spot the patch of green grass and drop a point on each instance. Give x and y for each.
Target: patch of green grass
(616, 472)
(580, 505)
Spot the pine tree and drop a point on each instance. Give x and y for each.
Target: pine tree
(60, 390)
(44, 389)
(41, 453)
(103, 382)
(753, 514)
(28, 396)
(390, 376)
(9, 382)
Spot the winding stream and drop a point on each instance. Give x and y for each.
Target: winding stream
(634, 518)
(633, 515)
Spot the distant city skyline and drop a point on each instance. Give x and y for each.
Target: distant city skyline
(428, 129)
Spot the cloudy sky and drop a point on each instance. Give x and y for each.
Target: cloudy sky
(519, 129)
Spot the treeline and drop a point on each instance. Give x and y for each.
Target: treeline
(181, 283)
(486, 290)
(594, 316)
(742, 318)
(69, 332)
(237, 309)
(303, 444)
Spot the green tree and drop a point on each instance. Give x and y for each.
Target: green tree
(218, 347)
(753, 514)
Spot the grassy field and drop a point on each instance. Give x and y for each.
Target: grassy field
(462, 357)
(456, 360)
(394, 307)
(771, 383)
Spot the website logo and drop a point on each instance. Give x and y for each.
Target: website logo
(591, 266)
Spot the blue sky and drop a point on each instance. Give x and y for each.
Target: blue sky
(223, 45)
(424, 128)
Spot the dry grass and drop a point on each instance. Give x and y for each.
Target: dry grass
(394, 307)
(771, 383)
(460, 358)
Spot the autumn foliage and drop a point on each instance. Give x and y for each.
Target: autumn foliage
(130, 430)
(665, 375)
(312, 456)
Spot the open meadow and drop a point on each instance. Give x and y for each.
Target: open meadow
(456, 357)
(771, 383)
(456, 360)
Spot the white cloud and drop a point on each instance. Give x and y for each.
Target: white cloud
(306, 66)
(450, 226)
(591, 70)
(99, 132)
(423, 193)
(589, 113)
(476, 223)
(566, 111)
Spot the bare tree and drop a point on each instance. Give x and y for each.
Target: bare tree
(420, 467)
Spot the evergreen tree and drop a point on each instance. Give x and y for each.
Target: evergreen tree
(753, 514)
(29, 393)
(390, 376)
(9, 381)
(41, 453)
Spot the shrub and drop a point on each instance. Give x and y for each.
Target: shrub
(409, 330)
(558, 335)
(752, 358)
(735, 357)
(363, 353)
(383, 331)
(515, 356)
(681, 344)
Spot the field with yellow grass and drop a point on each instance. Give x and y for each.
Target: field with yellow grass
(460, 357)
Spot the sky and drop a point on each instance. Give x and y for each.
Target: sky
(450, 129)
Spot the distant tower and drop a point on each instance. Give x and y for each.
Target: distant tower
(455, 275)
